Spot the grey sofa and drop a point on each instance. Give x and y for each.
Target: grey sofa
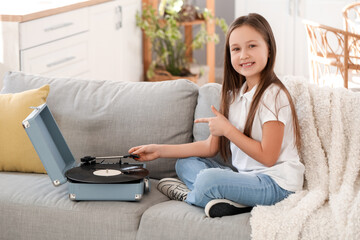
(107, 118)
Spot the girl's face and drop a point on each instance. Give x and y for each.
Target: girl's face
(249, 52)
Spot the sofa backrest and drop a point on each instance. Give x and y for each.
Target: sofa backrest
(209, 94)
(106, 118)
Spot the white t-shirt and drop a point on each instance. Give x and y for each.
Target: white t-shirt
(288, 171)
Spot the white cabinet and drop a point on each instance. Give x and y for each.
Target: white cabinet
(55, 46)
(285, 18)
(95, 42)
(116, 40)
(129, 55)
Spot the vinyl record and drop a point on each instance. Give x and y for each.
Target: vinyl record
(107, 173)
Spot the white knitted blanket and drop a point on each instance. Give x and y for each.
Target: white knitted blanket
(329, 205)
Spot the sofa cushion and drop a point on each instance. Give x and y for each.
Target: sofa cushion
(42, 211)
(179, 220)
(104, 118)
(16, 151)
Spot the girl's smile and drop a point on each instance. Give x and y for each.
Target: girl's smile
(247, 64)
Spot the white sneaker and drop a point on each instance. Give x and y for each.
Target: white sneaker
(224, 207)
(173, 188)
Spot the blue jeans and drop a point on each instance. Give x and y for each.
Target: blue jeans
(208, 180)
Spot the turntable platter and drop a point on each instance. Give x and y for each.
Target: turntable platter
(106, 173)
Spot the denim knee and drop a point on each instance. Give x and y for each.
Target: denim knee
(207, 182)
(180, 165)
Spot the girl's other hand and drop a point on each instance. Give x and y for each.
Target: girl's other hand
(146, 152)
(218, 125)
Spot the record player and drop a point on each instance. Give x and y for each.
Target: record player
(94, 178)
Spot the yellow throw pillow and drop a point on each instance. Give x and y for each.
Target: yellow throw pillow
(16, 150)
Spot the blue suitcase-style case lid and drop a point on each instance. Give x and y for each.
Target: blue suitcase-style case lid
(49, 143)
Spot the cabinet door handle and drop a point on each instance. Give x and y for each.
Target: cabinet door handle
(61, 61)
(118, 13)
(299, 8)
(62, 25)
(290, 7)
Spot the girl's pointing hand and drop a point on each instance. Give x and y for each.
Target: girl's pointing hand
(218, 125)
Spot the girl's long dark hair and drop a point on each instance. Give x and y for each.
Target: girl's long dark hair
(233, 81)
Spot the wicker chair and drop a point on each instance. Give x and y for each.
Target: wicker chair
(351, 16)
(333, 53)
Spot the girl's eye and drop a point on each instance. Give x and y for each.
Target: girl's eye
(235, 49)
(252, 45)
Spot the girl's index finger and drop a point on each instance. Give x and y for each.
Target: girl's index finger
(137, 151)
(202, 120)
(133, 149)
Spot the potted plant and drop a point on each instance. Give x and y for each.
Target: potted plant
(168, 45)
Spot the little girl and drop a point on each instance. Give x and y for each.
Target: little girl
(257, 124)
